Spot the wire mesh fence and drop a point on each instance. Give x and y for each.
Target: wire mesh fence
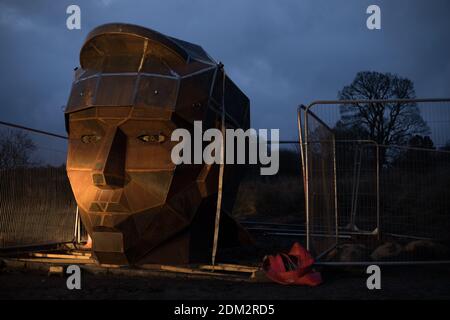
(36, 202)
(392, 178)
(416, 190)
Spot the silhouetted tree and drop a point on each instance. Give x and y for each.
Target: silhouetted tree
(16, 148)
(385, 123)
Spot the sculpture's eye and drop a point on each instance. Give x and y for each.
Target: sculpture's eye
(90, 138)
(155, 138)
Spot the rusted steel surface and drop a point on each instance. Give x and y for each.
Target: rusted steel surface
(134, 87)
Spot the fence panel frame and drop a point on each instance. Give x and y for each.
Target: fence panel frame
(304, 144)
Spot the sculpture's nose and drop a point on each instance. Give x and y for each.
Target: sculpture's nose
(109, 170)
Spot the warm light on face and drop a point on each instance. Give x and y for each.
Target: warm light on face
(115, 154)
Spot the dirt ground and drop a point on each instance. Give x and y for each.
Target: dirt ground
(419, 282)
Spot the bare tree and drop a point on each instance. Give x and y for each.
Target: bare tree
(385, 123)
(16, 148)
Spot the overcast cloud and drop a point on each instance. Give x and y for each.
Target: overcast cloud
(281, 53)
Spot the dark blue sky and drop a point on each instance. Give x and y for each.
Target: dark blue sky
(281, 53)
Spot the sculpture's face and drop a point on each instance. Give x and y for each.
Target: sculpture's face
(118, 165)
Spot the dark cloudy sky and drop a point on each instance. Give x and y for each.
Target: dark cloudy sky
(280, 52)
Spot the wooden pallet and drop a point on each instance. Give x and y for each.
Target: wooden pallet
(57, 262)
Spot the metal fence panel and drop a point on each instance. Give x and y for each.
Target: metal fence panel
(393, 199)
(36, 202)
(416, 193)
(319, 154)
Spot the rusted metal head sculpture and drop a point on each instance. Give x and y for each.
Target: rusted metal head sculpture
(134, 87)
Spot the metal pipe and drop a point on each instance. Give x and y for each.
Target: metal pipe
(378, 190)
(336, 213)
(330, 102)
(306, 178)
(220, 183)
